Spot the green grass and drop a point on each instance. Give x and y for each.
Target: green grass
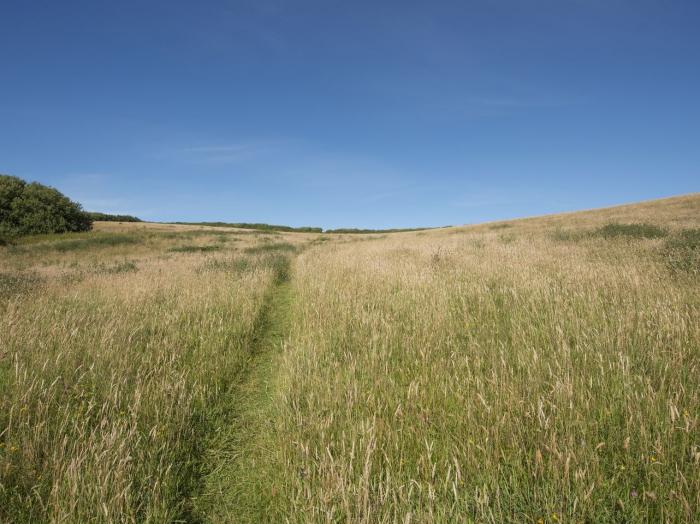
(639, 230)
(610, 231)
(74, 242)
(234, 486)
(682, 252)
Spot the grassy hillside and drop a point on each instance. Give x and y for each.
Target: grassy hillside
(537, 370)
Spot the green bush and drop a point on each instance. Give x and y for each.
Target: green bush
(31, 208)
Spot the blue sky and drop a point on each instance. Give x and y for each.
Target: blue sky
(367, 114)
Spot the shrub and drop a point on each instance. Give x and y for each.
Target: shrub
(35, 208)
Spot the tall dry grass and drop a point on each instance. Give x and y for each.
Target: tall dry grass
(113, 372)
(491, 375)
(540, 370)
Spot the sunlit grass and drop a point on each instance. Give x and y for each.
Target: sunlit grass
(539, 370)
(112, 376)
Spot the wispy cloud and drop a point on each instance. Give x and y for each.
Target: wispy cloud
(231, 148)
(224, 153)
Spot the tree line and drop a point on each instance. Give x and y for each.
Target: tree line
(30, 208)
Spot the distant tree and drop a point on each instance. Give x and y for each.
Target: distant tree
(28, 208)
(106, 217)
(258, 226)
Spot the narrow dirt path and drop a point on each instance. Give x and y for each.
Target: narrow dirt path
(234, 490)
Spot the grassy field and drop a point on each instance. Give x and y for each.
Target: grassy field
(538, 370)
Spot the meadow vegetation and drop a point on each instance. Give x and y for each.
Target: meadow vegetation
(539, 370)
(114, 371)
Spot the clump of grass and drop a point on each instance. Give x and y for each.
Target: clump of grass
(96, 241)
(502, 225)
(682, 252)
(193, 249)
(568, 235)
(279, 264)
(277, 247)
(126, 266)
(12, 284)
(72, 242)
(199, 233)
(638, 230)
(235, 265)
(610, 231)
